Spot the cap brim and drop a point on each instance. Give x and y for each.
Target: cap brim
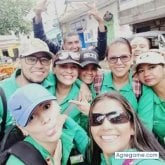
(83, 64)
(31, 53)
(67, 61)
(27, 113)
(147, 62)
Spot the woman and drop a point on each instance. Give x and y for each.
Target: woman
(37, 113)
(120, 78)
(65, 68)
(151, 72)
(115, 127)
(89, 67)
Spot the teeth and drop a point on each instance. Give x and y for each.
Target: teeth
(109, 137)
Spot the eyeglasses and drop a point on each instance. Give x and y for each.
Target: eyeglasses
(123, 59)
(32, 60)
(113, 117)
(63, 55)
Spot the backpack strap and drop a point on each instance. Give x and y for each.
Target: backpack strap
(4, 102)
(27, 153)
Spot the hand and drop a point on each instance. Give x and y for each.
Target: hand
(41, 6)
(58, 153)
(84, 93)
(94, 12)
(83, 105)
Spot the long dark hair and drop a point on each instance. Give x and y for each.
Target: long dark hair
(142, 140)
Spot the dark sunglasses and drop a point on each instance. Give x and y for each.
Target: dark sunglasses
(113, 117)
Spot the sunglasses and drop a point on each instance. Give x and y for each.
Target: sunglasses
(113, 117)
(63, 55)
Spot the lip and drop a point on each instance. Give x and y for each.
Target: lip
(51, 131)
(109, 138)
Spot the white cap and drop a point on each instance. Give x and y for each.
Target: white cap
(32, 46)
(149, 58)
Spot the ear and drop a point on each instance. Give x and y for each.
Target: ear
(18, 63)
(24, 131)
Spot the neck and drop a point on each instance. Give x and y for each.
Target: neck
(21, 80)
(159, 89)
(119, 82)
(50, 147)
(62, 91)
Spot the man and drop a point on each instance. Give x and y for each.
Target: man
(34, 66)
(71, 40)
(139, 45)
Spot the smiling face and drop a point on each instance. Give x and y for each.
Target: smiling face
(72, 43)
(43, 124)
(66, 73)
(139, 45)
(150, 74)
(88, 73)
(119, 68)
(111, 137)
(34, 73)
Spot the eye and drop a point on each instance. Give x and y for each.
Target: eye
(152, 67)
(140, 71)
(32, 117)
(46, 106)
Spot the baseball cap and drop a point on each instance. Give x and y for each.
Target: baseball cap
(65, 56)
(149, 58)
(34, 45)
(24, 100)
(89, 57)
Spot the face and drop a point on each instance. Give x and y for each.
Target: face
(88, 73)
(37, 72)
(139, 45)
(66, 73)
(150, 74)
(111, 137)
(72, 43)
(43, 124)
(119, 69)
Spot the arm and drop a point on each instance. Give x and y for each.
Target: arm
(102, 32)
(38, 26)
(146, 107)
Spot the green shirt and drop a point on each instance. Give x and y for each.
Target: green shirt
(143, 107)
(10, 85)
(159, 119)
(113, 161)
(71, 109)
(73, 135)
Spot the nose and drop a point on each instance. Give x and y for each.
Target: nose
(107, 125)
(118, 61)
(38, 63)
(44, 118)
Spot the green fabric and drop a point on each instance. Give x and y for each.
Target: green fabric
(159, 119)
(73, 135)
(10, 85)
(112, 161)
(75, 113)
(143, 107)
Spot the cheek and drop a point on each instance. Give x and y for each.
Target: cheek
(94, 132)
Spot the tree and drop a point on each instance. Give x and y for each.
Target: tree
(12, 16)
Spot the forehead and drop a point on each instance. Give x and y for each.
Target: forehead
(39, 54)
(119, 48)
(74, 38)
(108, 105)
(139, 40)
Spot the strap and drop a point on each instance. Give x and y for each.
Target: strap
(27, 153)
(128, 162)
(4, 102)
